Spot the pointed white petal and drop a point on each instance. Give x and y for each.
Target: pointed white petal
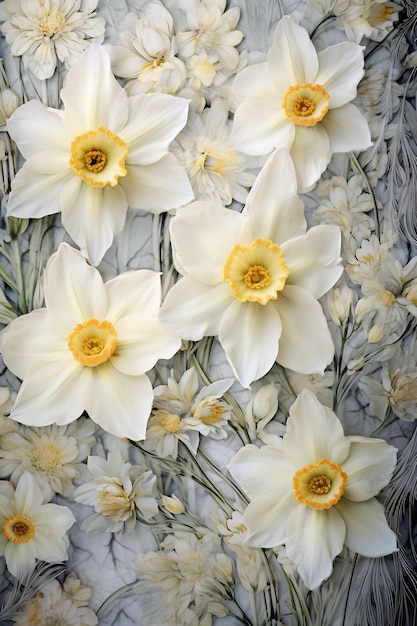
(314, 259)
(266, 518)
(193, 309)
(313, 433)
(306, 345)
(369, 467)
(201, 247)
(92, 216)
(141, 342)
(68, 301)
(347, 129)
(20, 557)
(158, 186)
(273, 208)
(340, 70)
(261, 469)
(92, 96)
(249, 334)
(35, 128)
(315, 538)
(133, 293)
(367, 530)
(311, 153)
(120, 404)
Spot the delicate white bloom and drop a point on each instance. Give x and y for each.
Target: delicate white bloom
(53, 605)
(8, 104)
(250, 568)
(234, 530)
(53, 455)
(92, 343)
(209, 414)
(212, 32)
(177, 396)
(217, 170)
(260, 411)
(364, 18)
(301, 100)
(193, 573)
(339, 301)
(117, 492)
(147, 54)
(398, 387)
(314, 491)
(29, 529)
(45, 31)
(165, 430)
(255, 281)
(106, 151)
(7, 399)
(173, 504)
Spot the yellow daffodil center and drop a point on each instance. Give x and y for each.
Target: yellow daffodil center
(19, 529)
(306, 105)
(98, 157)
(257, 272)
(92, 343)
(319, 485)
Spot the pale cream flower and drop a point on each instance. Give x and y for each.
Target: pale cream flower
(255, 281)
(52, 454)
(301, 100)
(29, 529)
(193, 573)
(7, 400)
(54, 605)
(147, 52)
(104, 152)
(164, 432)
(313, 492)
(216, 168)
(173, 504)
(45, 31)
(366, 18)
(117, 492)
(93, 343)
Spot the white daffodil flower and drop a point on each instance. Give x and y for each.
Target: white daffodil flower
(315, 491)
(253, 278)
(89, 349)
(106, 151)
(301, 100)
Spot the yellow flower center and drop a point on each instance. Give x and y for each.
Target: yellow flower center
(51, 22)
(209, 411)
(47, 458)
(306, 105)
(98, 157)
(92, 343)
(215, 161)
(19, 529)
(171, 422)
(319, 485)
(256, 273)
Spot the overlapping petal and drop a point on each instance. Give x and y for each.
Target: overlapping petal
(36, 128)
(367, 530)
(340, 70)
(252, 466)
(311, 152)
(306, 345)
(370, 465)
(347, 129)
(133, 293)
(267, 518)
(250, 334)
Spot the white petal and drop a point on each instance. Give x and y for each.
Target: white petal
(314, 259)
(157, 187)
(313, 433)
(20, 557)
(35, 194)
(154, 121)
(120, 404)
(26, 339)
(369, 467)
(347, 129)
(252, 80)
(92, 96)
(292, 57)
(193, 309)
(92, 216)
(260, 125)
(311, 153)
(367, 530)
(141, 342)
(315, 538)
(261, 469)
(80, 296)
(249, 334)
(60, 401)
(35, 128)
(133, 293)
(306, 345)
(27, 496)
(266, 518)
(340, 70)
(274, 209)
(201, 247)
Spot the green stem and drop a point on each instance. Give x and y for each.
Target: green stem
(371, 192)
